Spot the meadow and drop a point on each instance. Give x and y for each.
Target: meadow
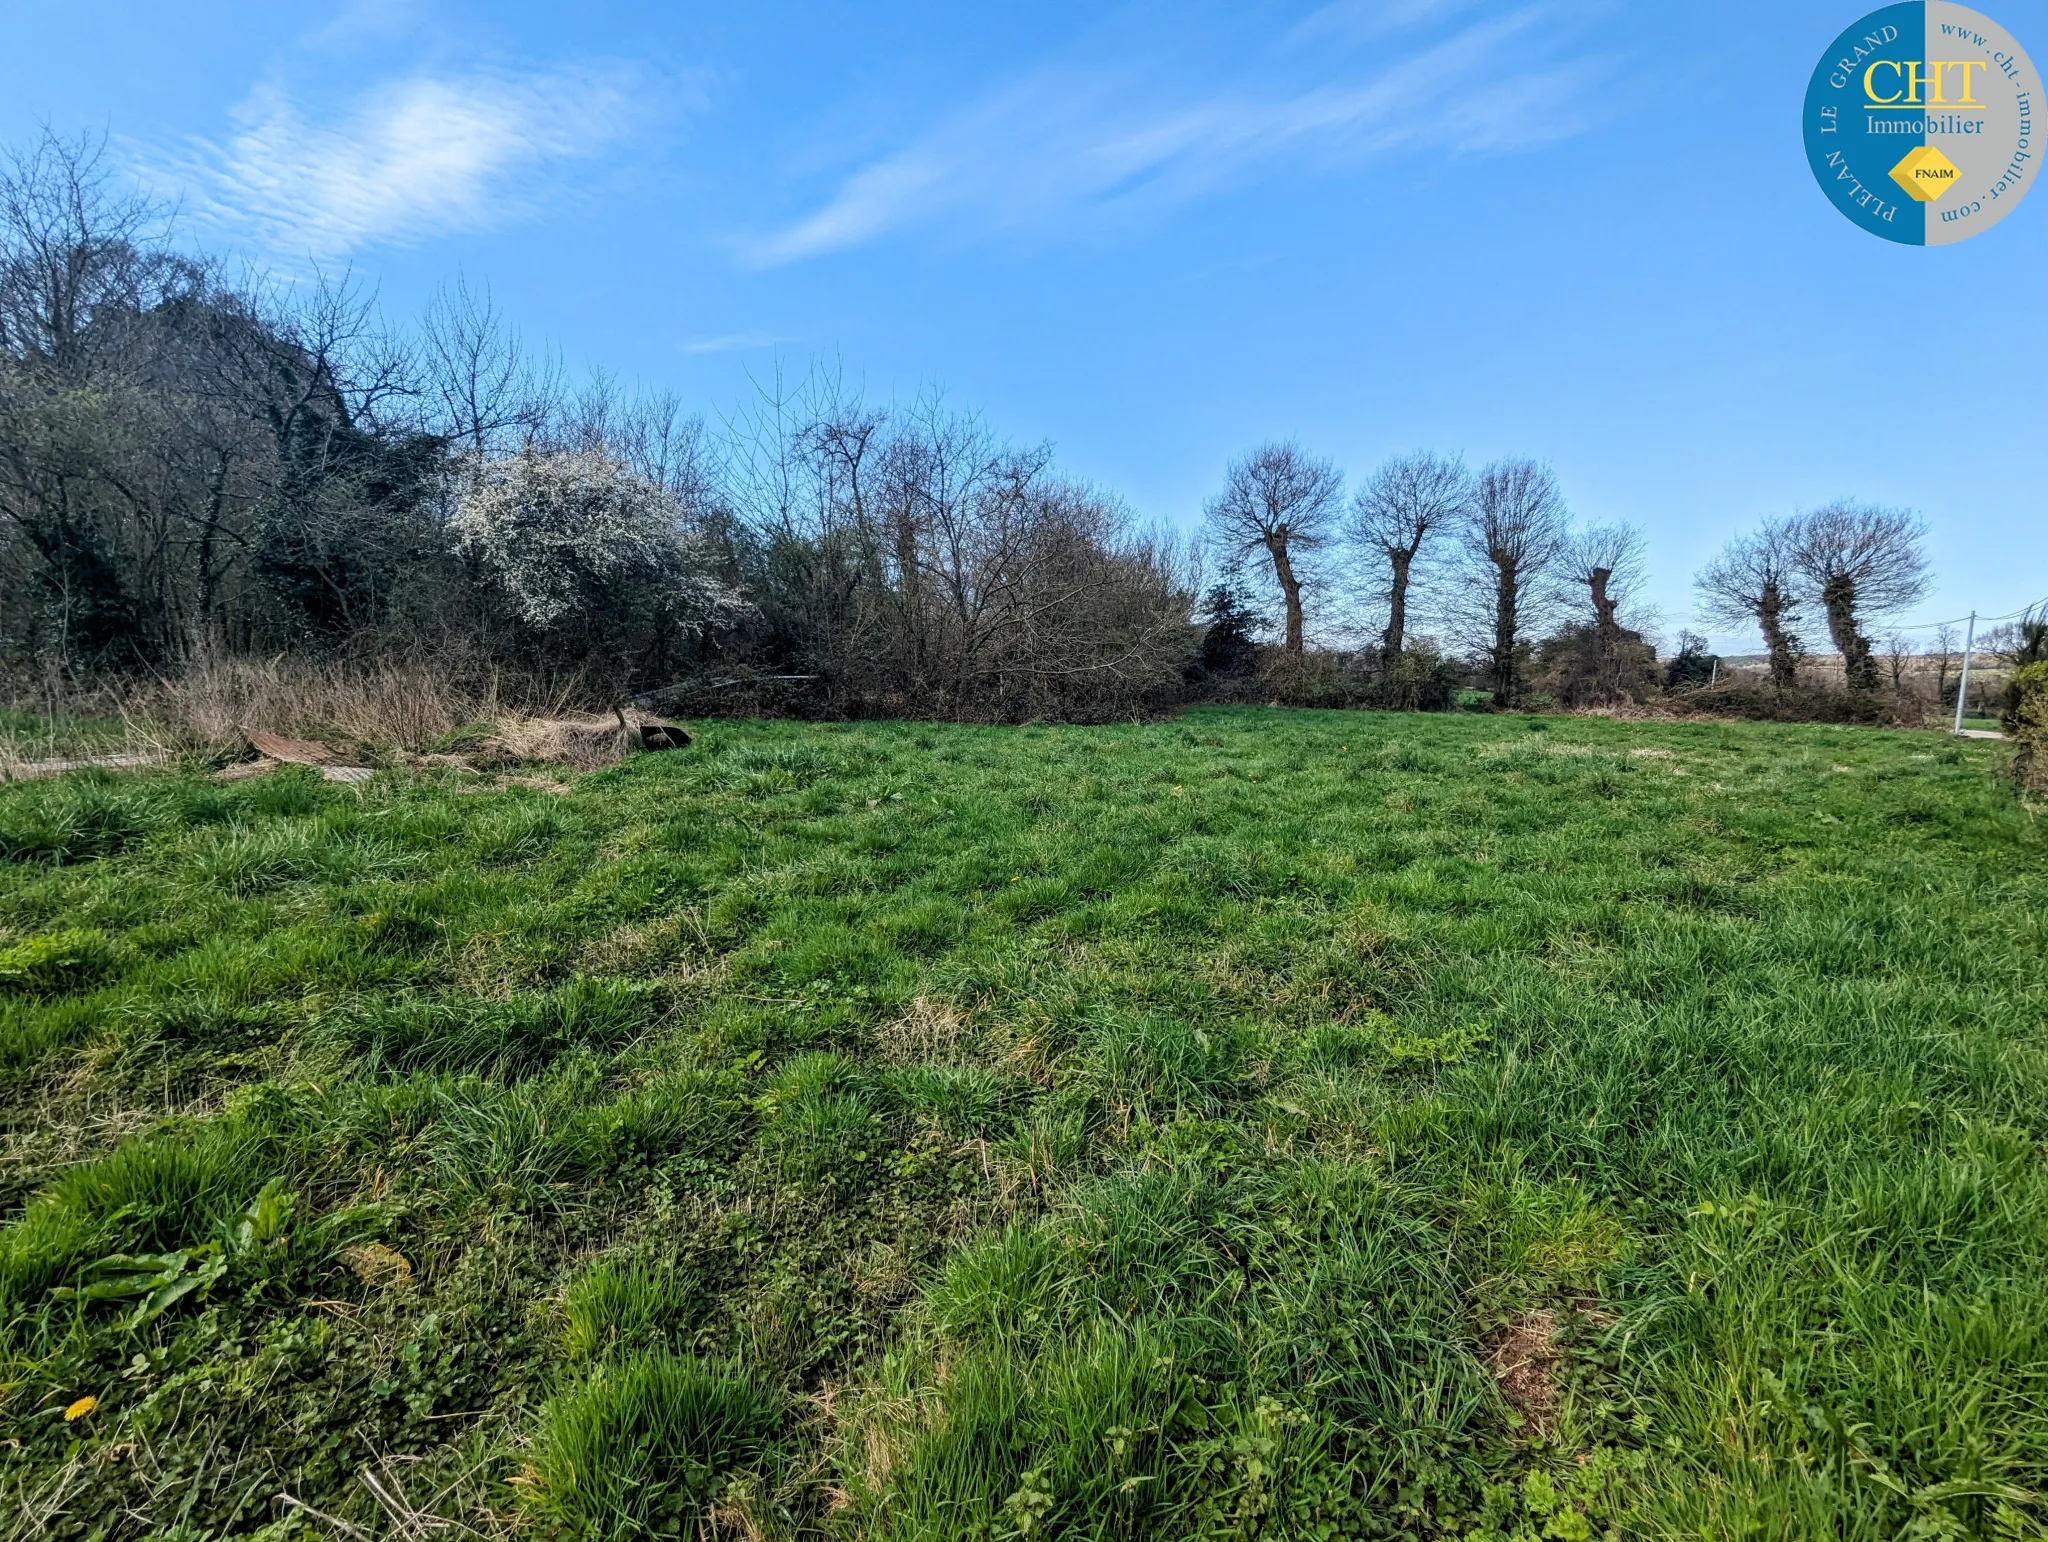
(1258, 1124)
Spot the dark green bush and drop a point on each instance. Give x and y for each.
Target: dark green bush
(1761, 702)
(2026, 719)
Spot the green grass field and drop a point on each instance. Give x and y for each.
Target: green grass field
(1262, 1124)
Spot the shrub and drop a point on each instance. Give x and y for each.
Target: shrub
(1760, 702)
(2026, 719)
(588, 559)
(1569, 668)
(1418, 680)
(639, 1448)
(1229, 627)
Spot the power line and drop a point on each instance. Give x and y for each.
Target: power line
(2013, 615)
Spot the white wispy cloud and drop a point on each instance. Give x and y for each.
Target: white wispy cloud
(1073, 146)
(1352, 19)
(410, 157)
(734, 342)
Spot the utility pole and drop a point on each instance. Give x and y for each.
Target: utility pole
(1963, 686)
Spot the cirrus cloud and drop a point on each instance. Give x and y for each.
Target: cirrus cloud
(407, 158)
(1070, 146)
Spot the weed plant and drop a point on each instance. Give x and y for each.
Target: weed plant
(1266, 1124)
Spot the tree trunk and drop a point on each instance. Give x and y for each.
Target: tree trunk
(1290, 590)
(1770, 615)
(1397, 604)
(1506, 605)
(1859, 668)
(209, 577)
(1606, 639)
(910, 596)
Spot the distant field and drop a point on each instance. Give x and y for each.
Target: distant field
(1263, 1124)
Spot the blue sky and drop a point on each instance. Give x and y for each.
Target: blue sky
(1151, 234)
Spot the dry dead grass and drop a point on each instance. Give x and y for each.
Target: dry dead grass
(928, 1030)
(402, 703)
(585, 742)
(401, 707)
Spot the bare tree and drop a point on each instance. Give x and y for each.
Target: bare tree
(1606, 562)
(69, 247)
(1283, 501)
(1407, 499)
(1941, 652)
(485, 395)
(1754, 579)
(1514, 537)
(1899, 653)
(913, 562)
(1861, 563)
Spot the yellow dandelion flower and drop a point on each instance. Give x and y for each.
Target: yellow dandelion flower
(81, 1408)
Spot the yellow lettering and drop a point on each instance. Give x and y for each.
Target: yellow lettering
(1966, 65)
(1912, 83)
(1870, 90)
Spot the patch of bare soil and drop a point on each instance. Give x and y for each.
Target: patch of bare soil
(1524, 1358)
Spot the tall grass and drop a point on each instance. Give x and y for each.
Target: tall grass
(1264, 1125)
(640, 1448)
(393, 702)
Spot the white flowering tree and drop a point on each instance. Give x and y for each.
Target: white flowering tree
(584, 552)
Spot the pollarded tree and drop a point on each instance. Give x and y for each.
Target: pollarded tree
(1755, 579)
(1861, 563)
(1408, 498)
(1282, 501)
(1513, 536)
(1605, 562)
